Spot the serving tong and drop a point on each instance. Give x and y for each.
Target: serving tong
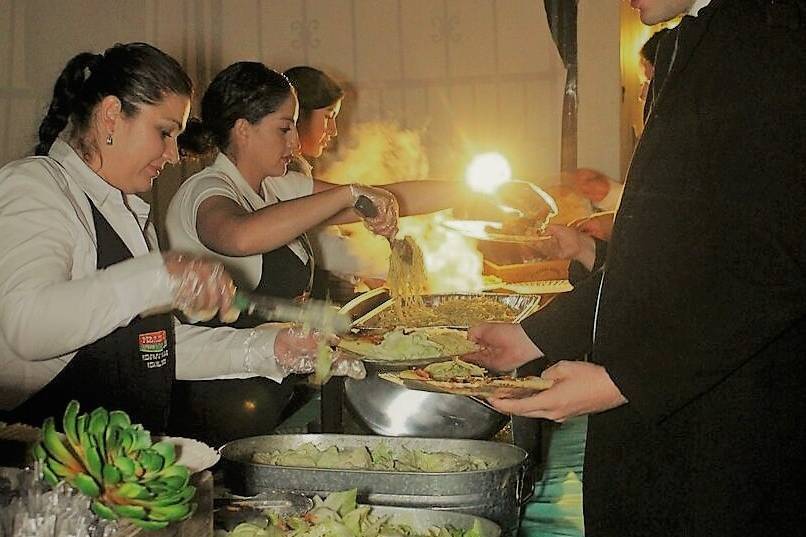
(400, 247)
(314, 313)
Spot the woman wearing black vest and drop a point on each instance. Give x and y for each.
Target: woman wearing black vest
(78, 281)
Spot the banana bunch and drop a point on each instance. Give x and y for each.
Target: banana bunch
(106, 457)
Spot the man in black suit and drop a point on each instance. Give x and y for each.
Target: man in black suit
(696, 326)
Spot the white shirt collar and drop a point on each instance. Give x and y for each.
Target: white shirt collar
(697, 6)
(90, 182)
(224, 165)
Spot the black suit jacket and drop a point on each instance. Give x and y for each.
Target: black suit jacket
(702, 312)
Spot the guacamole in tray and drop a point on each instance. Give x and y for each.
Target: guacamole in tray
(410, 344)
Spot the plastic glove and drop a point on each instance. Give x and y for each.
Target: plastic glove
(200, 287)
(300, 351)
(385, 222)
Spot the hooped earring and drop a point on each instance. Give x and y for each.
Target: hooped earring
(109, 140)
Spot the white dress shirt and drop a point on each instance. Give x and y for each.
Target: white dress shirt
(222, 178)
(53, 300)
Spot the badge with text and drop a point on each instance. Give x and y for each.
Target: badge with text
(154, 348)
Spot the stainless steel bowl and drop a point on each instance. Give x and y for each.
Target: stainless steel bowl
(392, 410)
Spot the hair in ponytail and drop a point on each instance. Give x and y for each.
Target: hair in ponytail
(135, 73)
(65, 92)
(315, 89)
(247, 90)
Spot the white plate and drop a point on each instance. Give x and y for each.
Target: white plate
(196, 455)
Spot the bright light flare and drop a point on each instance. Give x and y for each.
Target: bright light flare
(487, 171)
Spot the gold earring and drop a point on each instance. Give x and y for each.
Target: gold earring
(109, 140)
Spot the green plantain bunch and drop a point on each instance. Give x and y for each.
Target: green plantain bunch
(106, 457)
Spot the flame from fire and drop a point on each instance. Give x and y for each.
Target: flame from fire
(382, 152)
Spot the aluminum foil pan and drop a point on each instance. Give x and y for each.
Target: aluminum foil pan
(524, 305)
(495, 493)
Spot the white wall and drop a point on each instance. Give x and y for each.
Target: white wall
(471, 74)
(599, 135)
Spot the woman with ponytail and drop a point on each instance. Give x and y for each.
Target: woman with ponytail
(80, 290)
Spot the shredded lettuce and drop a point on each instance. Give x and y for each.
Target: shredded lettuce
(340, 516)
(379, 458)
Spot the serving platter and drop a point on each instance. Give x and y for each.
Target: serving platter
(523, 305)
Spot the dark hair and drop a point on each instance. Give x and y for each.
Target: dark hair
(135, 73)
(650, 48)
(247, 90)
(314, 89)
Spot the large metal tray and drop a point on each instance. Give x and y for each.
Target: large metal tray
(495, 493)
(365, 308)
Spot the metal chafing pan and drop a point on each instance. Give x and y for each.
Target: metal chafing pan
(367, 307)
(495, 493)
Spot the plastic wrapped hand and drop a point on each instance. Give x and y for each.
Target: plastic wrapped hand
(301, 351)
(201, 288)
(525, 201)
(382, 220)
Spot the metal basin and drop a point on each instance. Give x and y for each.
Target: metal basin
(391, 410)
(495, 493)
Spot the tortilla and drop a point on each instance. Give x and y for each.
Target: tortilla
(504, 387)
(409, 344)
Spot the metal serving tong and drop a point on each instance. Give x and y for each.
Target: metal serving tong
(314, 313)
(400, 247)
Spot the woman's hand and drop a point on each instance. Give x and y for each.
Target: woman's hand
(200, 287)
(297, 351)
(384, 222)
(505, 346)
(579, 388)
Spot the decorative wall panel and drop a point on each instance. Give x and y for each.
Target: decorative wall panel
(469, 75)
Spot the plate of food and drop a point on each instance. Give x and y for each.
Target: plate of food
(409, 345)
(461, 378)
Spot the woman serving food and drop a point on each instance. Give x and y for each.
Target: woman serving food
(79, 278)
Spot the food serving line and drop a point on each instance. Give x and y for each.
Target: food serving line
(399, 420)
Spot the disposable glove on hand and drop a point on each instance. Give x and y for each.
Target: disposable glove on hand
(383, 223)
(201, 287)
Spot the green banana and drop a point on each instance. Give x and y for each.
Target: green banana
(95, 464)
(103, 511)
(69, 423)
(142, 440)
(118, 418)
(126, 466)
(108, 458)
(39, 453)
(49, 476)
(111, 475)
(149, 525)
(170, 513)
(175, 477)
(99, 419)
(86, 484)
(134, 491)
(150, 460)
(167, 451)
(130, 511)
(185, 495)
(55, 448)
(59, 470)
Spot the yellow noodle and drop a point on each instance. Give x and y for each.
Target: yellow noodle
(455, 312)
(407, 279)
